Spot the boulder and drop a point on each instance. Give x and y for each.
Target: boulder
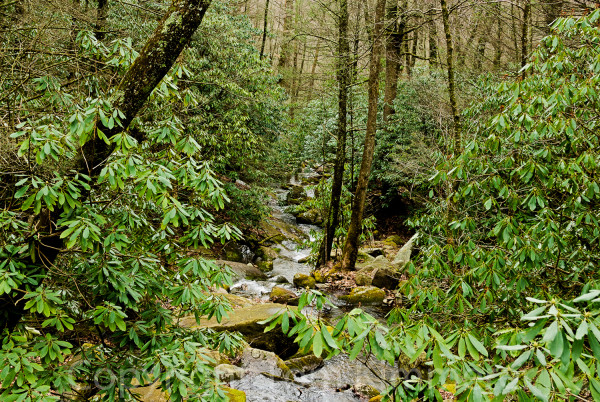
(243, 271)
(261, 361)
(296, 195)
(280, 279)
(304, 364)
(366, 390)
(403, 256)
(393, 240)
(364, 295)
(304, 281)
(277, 231)
(386, 277)
(374, 251)
(247, 321)
(264, 266)
(311, 217)
(232, 252)
(266, 253)
(283, 296)
(228, 372)
(366, 270)
(363, 257)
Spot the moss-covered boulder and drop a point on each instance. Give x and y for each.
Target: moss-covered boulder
(261, 361)
(283, 296)
(247, 320)
(377, 398)
(311, 217)
(379, 272)
(266, 253)
(304, 364)
(364, 295)
(303, 281)
(393, 240)
(277, 231)
(265, 266)
(296, 195)
(235, 395)
(365, 390)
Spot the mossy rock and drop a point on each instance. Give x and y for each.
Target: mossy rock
(303, 281)
(284, 296)
(261, 361)
(228, 372)
(265, 266)
(243, 271)
(366, 390)
(394, 240)
(377, 398)
(304, 364)
(246, 320)
(311, 217)
(235, 395)
(266, 253)
(364, 295)
(319, 277)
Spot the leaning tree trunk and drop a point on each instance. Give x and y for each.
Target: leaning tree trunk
(264, 36)
(358, 209)
(157, 57)
(343, 74)
(524, 34)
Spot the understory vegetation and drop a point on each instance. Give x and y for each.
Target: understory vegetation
(103, 255)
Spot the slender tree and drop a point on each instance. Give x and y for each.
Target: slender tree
(343, 78)
(450, 71)
(393, 49)
(264, 36)
(358, 208)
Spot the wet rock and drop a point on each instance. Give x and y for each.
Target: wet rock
(233, 252)
(283, 296)
(265, 266)
(243, 271)
(266, 253)
(261, 361)
(246, 320)
(367, 269)
(277, 231)
(304, 281)
(296, 195)
(228, 372)
(311, 217)
(377, 398)
(235, 395)
(365, 295)
(304, 364)
(280, 279)
(366, 390)
(403, 256)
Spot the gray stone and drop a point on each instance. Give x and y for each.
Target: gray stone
(243, 271)
(228, 372)
(260, 361)
(304, 281)
(403, 256)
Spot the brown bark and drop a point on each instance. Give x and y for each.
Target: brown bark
(524, 33)
(314, 69)
(343, 78)
(285, 51)
(159, 53)
(101, 16)
(358, 208)
(433, 46)
(393, 50)
(450, 71)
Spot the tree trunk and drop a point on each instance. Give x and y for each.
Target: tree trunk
(156, 58)
(314, 69)
(101, 16)
(392, 58)
(284, 56)
(264, 37)
(351, 246)
(450, 70)
(524, 33)
(343, 78)
(498, 42)
(433, 46)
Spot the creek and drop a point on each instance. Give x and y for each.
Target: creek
(335, 379)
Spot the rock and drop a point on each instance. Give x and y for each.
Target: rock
(304, 281)
(277, 231)
(365, 390)
(304, 364)
(283, 296)
(280, 279)
(386, 277)
(246, 321)
(363, 257)
(393, 240)
(296, 195)
(228, 372)
(311, 217)
(261, 361)
(304, 260)
(151, 393)
(241, 185)
(367, 269)
(235, 395)
(377, 398)
(266, 253)
(232, 252)
(212, 357)
(265, 266)
(319, 276)
(243, 271)
(374, 251)
(364, 295)
(403, 256)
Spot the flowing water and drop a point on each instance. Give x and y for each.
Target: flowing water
(334, 380)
